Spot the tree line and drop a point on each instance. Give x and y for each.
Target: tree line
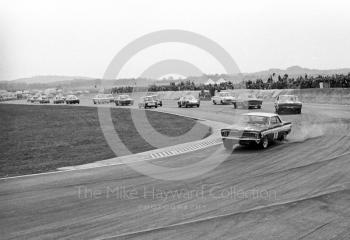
(181, 86)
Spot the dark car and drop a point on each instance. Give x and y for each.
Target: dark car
(288, 103)
(72, 99)
(255, 129)
(248, 101)
(147, 102)
(122, 100)
(188, 101)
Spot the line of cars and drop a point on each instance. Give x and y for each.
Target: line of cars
(58, 99)
(151, 100)
(282, 104)
(244, 101)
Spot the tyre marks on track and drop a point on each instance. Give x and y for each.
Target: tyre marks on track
(186, 149)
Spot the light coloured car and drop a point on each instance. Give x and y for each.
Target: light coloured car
(72, 99)
(34, 99)
(147, 102)
(255, 128)
(188, 101)
(58, 99)
(43, 99)
(223, 98)
(101, 99)
(248, 101)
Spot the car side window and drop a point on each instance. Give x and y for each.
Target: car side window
(275, 120)
(278, 120)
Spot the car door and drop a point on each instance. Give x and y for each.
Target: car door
(275, 124)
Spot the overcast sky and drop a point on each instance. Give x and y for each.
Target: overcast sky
(80, 38)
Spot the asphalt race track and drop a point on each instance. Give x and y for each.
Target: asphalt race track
(298, 189)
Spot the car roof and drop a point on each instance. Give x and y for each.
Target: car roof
(263, 114)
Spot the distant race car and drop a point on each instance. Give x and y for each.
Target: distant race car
(33, 99)
(124, 99)
(288, 103)
(249, 101)
(256, 128)
(148, 102)
(158, 100)
(103, 98)
(223, 98)
(58, 99)
(43, 99)
(72, 99)
(188, 101)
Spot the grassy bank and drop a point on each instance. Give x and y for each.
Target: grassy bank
(39, 138)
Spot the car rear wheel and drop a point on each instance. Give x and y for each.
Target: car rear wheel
(214, 102)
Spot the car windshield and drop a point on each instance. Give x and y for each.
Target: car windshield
(123, 96)
(148, 99)
(253, 119)
(285, 98)
(190, 98)
(224, 95)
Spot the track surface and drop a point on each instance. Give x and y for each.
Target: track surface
(299, 189)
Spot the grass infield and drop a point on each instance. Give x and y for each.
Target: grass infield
(41, 138)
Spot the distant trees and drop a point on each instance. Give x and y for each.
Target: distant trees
(280, 82)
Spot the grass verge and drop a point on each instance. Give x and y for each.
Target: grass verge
(41, 138)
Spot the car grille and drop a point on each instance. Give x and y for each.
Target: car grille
(249, 135)
(254, 102)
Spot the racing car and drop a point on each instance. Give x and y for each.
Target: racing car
(43, 99)
(72, 99)
(248, 101)
(124, 99)
(288, 103)
(223, 98)
(58, 99)
(188, 101)
(103, 98)
(156, 98)
(256, 128)
(148, 102)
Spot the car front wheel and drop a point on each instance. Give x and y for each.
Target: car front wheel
(264, 143)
